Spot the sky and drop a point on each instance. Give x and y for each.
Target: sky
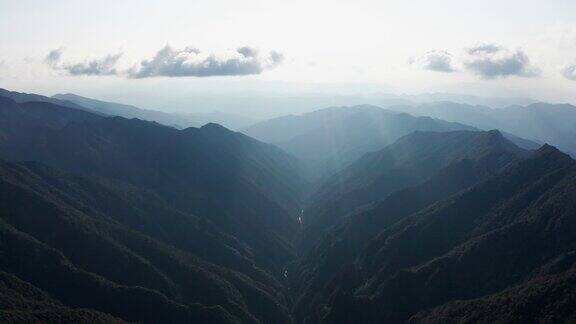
(158, 53)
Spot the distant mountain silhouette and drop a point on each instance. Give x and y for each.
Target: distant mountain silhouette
(127, 111)
(542, 122)
(21, 97)
(493, 102)
(38, 114)
(328, 140)
(110, 109)
(171, 119)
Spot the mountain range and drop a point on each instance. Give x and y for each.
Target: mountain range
(540, 122)
(179, 120)
(506, 244)
(407, 162)
(345, 215)
(105, 108)
(328, 140)
(147, 207)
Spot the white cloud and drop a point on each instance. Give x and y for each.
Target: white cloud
(101, 66)
(569, 72)
(439, 61)
(53, 58)
(490, 61)
(171, 62)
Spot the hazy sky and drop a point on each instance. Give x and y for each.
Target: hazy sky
(489, 48)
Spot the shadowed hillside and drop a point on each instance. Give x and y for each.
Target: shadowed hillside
(111, 220)
(516, 228)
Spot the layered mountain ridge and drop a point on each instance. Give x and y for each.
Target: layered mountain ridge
(108, 219)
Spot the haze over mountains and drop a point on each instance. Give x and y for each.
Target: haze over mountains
(233, 121)
(268, 102)
(546, 123)
(230, 120)
(301, 162)
(447, 213)
(410, 160)
(330, 139)
(525, 121)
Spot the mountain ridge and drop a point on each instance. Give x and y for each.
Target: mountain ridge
(498, 223)
(210, 225)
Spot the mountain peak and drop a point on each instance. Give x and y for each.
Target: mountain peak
(64, 95)
(495, 132)
(549, 154)
(494, 136)
(548, 149)
(215, 128)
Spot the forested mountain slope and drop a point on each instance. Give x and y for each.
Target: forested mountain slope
(514, 232)
(111, 220)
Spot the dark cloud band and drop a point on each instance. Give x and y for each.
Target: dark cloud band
(490, 61)
(569, 72)
(171, 62)
(102, 66)
(438, 61)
